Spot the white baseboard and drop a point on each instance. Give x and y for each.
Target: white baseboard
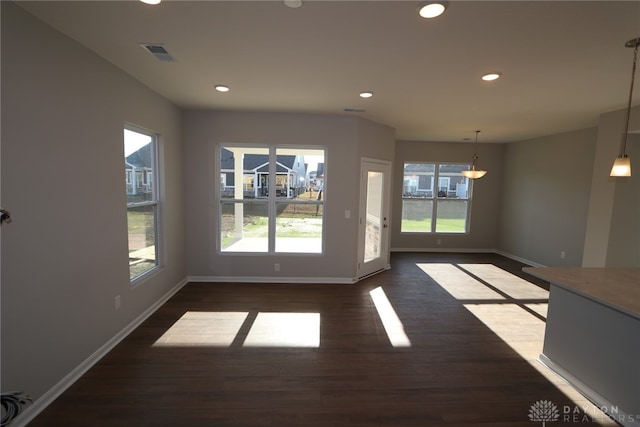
(53, 393)
(627, 420)
(470, 250)
(262, 279)
(519, 259)
(444, 250)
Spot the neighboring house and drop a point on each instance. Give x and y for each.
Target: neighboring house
(316, 178)
(290, 175)
(419, 181)
(139, 173)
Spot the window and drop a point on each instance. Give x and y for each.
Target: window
(140, 163)
(444, 209)
(271, 199)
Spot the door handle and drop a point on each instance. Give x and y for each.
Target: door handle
(5, 217)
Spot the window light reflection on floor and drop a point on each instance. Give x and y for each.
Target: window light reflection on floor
(510, 284)
(392, 324)
(458, 283)
(284, 330)
(221, 329)
(203, 328)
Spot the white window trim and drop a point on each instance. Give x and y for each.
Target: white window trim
(435, 199)
(271, 201)
(156, 196)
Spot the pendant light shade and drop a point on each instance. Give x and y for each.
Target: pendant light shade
(622, 164)
(475, 173)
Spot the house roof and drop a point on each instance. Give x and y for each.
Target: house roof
(139, 159)
(562, 62)
(256, 161)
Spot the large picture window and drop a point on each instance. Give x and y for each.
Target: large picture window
(140, 165)
(435, 198)
(271, 199)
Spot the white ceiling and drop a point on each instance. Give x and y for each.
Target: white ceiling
(563, 63)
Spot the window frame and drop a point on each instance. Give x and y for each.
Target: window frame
(155, 182)
(435, 199)
(271, 200)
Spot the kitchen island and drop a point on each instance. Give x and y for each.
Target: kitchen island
(592, 335)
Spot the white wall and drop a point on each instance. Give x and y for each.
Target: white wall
(346, 139)
(545, 197)
(484, 205)
(65, 255)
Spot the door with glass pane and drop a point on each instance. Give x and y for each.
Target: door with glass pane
(374, 221)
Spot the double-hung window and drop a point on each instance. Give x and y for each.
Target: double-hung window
(141, 166)
(271, 199)
(435, 198)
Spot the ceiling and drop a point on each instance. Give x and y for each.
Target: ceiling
(562, 63)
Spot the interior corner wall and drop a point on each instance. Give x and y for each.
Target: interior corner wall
(623, 249)
(205, 130)
(612, 232)
(484, 205)
(65, 255)
(375, 140)
(546, 187)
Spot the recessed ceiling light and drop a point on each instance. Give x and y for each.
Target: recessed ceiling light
(151, 1)
(431, 9)
(366, 94)
(222, 88)
(491, 76)
(294, 4)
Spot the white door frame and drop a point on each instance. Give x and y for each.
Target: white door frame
(368, 267)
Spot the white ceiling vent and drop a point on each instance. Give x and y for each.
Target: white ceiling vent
(158, 50)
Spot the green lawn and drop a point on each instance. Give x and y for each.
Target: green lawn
(444, 225)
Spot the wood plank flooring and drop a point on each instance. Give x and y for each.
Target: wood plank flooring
(323, 355)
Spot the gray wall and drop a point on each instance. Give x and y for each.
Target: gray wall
(484, 206)
(65, 255)
(346, 139)
(545, 197)
(624, 236)
(613, 223)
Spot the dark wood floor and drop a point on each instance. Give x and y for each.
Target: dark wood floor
(192, 362)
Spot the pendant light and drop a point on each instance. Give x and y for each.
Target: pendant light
(622, 164)
(475, 173)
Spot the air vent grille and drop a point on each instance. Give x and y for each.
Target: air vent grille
(159, 51)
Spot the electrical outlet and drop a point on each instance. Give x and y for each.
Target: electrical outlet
(117, 302)
(562, 254)
(276, 266)
(439, 241)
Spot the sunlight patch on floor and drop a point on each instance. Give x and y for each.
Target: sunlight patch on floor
(203, 328)
(221, 329)
(458, 283)
(506, 282)
(284, 330)
(521, 330)
(392, 324)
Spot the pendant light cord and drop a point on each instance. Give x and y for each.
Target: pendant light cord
(623, 147)
(475, 149)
